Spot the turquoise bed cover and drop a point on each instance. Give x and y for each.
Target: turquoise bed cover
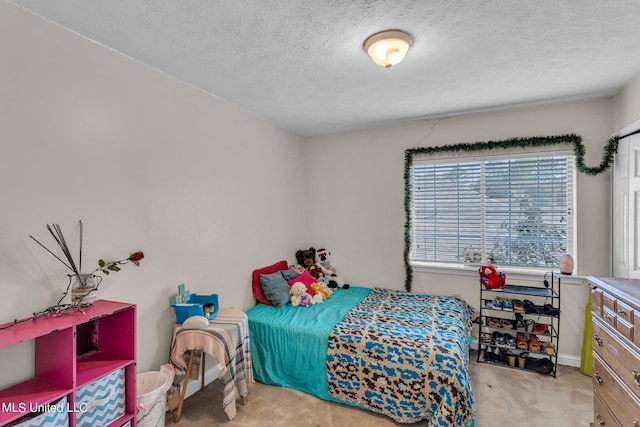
(299, 335)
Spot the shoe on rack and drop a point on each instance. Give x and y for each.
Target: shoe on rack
(493, 322)
(485, 338)
(522, 324)
(534, 344)
(544, 366)
(528, 325)
(490, 354)
(522, 359)
(550, 310)
(507, 305)
(506, 323)
(522, 342)
(518, 323)
(540, 329)
(531, 308)
(541, 366)
(497, 303)
(549, 348)
(518, 306)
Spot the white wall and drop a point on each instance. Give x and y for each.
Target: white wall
(360, 214)
(205, 189)
(627, 104)
(210, 192)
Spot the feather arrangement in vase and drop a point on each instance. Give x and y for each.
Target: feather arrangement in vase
(85, 288)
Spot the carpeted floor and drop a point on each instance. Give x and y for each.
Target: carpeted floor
(505, 397)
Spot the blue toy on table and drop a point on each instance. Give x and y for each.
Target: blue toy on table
(188, 304)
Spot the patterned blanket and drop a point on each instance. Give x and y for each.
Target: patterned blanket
(227, 339)
(405, 356)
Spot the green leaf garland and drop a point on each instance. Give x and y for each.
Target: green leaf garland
(578, 148)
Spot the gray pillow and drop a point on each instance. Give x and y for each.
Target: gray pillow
(289, 274)
(275, 288)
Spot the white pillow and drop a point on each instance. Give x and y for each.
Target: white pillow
(195, 322)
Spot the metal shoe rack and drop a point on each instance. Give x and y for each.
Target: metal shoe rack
(546, 296)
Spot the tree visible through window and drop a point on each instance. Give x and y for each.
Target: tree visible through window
(517, 211)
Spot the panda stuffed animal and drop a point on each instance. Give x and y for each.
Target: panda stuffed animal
(323, 259)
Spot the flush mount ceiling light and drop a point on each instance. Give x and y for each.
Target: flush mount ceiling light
(387, 48)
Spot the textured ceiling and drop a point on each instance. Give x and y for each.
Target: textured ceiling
(301, 63)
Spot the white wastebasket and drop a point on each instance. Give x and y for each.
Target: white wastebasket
(151, 392)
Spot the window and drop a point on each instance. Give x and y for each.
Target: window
(515, 210)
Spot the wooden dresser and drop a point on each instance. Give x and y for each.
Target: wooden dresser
(616, 351)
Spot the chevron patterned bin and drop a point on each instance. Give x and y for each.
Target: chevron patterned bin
(102, 401)
(57, 417)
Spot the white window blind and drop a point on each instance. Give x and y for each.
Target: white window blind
(518, 211)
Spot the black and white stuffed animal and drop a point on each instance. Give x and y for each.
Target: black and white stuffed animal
(323, 259)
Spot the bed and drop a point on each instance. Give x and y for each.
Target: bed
(399, 354)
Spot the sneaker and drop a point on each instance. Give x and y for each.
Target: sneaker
(485, 338)
(507, 305)
(497, 303)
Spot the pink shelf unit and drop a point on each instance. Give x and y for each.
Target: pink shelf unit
(72, 350)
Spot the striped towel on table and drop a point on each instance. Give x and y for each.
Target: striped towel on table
(227, 339)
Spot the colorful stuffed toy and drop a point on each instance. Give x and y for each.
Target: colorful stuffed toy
(323, 260)
(491, 278)
(317, 298)
(307, 259)
(319, 289)
(300, 296)
(324, 284)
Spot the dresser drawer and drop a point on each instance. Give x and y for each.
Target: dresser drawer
(623, 404)
(617, 355)
(624, 311)
(608, 301)
(609, 316)
(601, 415)
(625, 328)
(596, 301)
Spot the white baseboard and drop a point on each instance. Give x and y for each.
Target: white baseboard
(569, 360)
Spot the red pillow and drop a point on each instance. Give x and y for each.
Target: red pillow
(258, 293)
(305, 278)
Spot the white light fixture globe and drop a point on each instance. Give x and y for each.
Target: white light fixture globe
(387, 48)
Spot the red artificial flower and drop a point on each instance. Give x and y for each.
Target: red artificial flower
(112, 266)
(136, 257)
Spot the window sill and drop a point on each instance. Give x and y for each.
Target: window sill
(472, 270)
